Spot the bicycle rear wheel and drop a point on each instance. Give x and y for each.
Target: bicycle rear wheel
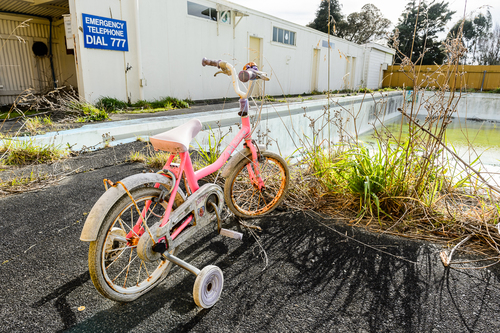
(242, 194)
(116, 270)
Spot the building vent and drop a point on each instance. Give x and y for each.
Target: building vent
(40, 49)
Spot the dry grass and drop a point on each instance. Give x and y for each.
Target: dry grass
(406, 188)
(30, 183)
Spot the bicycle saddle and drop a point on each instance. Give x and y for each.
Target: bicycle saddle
(177, 139)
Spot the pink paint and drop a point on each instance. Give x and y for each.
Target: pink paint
(186, 166)
(183, 225)
(174, 191)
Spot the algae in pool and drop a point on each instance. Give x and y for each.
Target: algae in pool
(461, 134)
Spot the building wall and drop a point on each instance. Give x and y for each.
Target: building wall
(378, 59)
(20, 69)
(166, 48)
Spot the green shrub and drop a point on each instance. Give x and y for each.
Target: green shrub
(91, 113)
(111, 104)
(365, 90)
(167, 103)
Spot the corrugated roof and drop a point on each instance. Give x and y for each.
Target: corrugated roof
(53, 9)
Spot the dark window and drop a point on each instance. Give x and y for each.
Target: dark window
(283, 36)
(198, 10)
(208, 13)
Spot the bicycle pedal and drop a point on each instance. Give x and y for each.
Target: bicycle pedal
(231, 233)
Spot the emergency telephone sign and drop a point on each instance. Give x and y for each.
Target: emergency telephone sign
(104, 33)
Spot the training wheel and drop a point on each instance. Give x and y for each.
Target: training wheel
(208, 286)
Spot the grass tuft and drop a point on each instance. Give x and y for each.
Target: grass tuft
(90, 112)
(29, 152)
(210, 152)
(137, 157)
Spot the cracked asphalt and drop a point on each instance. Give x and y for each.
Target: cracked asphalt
(302, 274)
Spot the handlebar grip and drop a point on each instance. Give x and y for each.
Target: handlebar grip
(209, 62)
(247, 75)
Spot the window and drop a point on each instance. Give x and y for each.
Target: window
(207, 12)
(283, 36)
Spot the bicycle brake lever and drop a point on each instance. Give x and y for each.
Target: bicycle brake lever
(224, 71)
(263, 76)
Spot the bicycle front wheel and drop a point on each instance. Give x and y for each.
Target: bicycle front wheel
(116, 270)
(241, 190)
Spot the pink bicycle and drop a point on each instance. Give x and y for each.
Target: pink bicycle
(136, 227)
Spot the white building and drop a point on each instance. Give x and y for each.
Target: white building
(134, 50)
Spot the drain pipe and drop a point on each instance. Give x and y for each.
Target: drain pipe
(51, 55)
(139, 49)
(482, 83)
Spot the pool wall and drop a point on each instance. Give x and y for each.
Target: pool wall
(484, 106)
(282, 127)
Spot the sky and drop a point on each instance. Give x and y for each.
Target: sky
(304, 11)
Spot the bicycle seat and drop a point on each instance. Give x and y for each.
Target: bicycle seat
(177, 139)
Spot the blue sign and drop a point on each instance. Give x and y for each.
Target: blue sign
(325, 44)
(104, 33)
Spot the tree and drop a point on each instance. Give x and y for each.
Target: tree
(488, 48)
(471, 31)
(361, 27)
(321, 21)
(417, 31)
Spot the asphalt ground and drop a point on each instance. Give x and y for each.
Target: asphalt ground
(302, 274)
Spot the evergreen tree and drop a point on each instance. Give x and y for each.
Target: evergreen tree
(472, 31)
(364, 26)
(488, 48)
(321, 21)
(418, 28)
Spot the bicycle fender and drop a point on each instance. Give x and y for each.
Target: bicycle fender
(112, 195)
(236, 158)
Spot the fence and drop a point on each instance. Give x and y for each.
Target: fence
(470, 77)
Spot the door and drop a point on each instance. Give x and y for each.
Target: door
(255, 55)
(353, 73)
(350, 72)
(347, 76)
(315, 69)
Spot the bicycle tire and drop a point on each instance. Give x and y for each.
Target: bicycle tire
(101, 257)
(243, 197)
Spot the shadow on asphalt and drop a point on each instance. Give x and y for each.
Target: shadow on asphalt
(68, 317)
(126, 316)
(316, 280)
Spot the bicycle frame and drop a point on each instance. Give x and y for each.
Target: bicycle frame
(151, 224)
(186, 168)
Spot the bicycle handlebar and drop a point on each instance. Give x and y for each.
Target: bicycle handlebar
(244, 76)
(247, 75)
(209, 62)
